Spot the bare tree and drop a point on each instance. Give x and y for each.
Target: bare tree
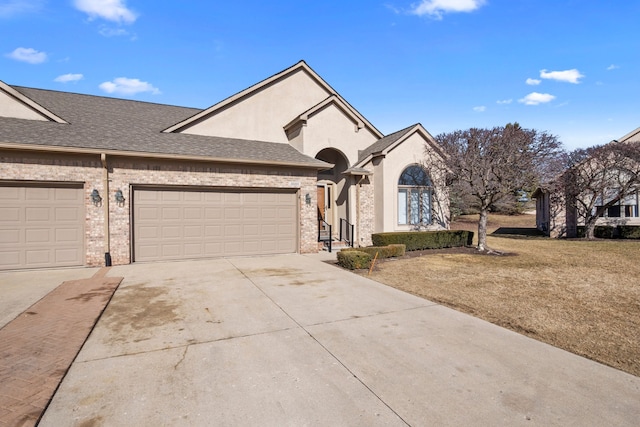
(492, 164)
(600, 178)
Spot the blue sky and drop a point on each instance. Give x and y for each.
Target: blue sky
(570, 67)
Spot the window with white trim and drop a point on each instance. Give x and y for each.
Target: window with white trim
(627, 207)
(414, 197)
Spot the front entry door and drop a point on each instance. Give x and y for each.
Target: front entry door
(325, 204)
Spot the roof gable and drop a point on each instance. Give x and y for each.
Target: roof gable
(277, 100)
(632, 136)
(16, 105)
(385, 145)
(332, 101)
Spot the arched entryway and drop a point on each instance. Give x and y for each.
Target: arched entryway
(333, 193)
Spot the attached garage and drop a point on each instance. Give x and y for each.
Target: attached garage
(41, 225)
(164, 187)
(185, 223)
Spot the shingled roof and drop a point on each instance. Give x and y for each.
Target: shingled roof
(132, 127)
(384, 143)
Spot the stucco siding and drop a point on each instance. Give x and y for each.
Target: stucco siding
(379, 200)
(557, 216)
(551, 216)
(10, 107)
(332, 128)
(411, 151)
(262, 115)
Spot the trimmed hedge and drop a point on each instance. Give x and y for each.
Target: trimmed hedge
(418, 240)
(389, 251)
(629, 231)
(613, 232)
(354, 259)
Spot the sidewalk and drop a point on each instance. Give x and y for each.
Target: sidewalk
(38, 347)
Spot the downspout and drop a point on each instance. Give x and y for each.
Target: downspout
(358, 185)
(105, 205)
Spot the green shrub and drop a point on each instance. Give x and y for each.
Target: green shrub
(354, 259)
(389, 251)
(613, 232)
(418, 240)
(629, 231)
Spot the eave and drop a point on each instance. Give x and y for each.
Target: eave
(359, 121)
(317, 165)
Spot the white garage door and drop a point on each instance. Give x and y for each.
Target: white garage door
(183, 224)
(41, 226)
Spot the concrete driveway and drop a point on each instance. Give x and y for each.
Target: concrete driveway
(292, 341)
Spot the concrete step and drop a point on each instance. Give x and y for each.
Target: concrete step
(336, 245)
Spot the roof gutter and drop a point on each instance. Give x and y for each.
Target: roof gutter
(317, 165)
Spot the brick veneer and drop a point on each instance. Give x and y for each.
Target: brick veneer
(127, 172)
(366, 211)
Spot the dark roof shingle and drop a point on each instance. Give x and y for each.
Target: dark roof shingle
(384, 143)
(113, 124)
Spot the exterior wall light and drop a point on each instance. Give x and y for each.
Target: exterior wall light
(307, 199)
(95, 198)
(119, 197)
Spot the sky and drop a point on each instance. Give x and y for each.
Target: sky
(568, 67)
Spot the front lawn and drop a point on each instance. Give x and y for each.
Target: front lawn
(582, 296)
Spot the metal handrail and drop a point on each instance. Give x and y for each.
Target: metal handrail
(320, 229)
(348, 231)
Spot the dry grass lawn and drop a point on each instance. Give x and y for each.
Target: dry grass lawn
(582, 296)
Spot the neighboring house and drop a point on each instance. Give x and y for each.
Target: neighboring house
(556, 219)
(87, 180)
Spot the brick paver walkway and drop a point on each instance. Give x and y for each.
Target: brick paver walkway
(38, 347)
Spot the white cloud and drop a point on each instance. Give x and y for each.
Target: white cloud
(27, 54)
(16, 7)
(113, 32)
(533, 82)
(126, 86)
(111, 10)
(436, 8)
(66, 78)
(504, 101)
(612, 67)
(535, 98)
(480, 109)
(393, 9)
(570, 76)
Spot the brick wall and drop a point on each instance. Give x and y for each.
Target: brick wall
(366, 212)
(127, 172)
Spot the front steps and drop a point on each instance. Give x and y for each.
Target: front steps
(336, 245)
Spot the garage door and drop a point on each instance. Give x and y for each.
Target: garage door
(184, 224)
(41, 226)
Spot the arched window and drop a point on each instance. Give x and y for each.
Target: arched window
(414, 197)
